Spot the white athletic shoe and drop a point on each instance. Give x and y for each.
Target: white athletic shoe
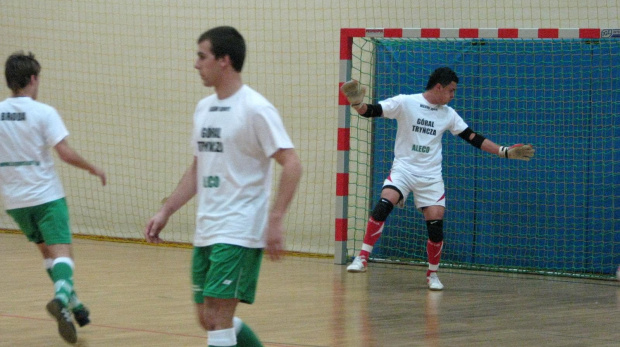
(358, 265)
(433, 282)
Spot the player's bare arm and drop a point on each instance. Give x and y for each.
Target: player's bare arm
(289, 180)
(517, 151)
(71, 157)
(185, 190)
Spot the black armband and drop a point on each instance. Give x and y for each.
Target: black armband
(373, 111)
(476, 141)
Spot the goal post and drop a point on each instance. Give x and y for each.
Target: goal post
(552, 87)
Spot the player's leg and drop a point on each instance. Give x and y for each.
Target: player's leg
(79, 310)
(53, 222)
(222, 276)
(429, 197)
(245, 334)
(216, 316)
(62, 271)
(434, 224)
(390, 196)
(38, 223)
(50, 254)
(62, 276)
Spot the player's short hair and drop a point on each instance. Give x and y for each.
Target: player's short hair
(226, 41)
(18, 69)
(444, 76)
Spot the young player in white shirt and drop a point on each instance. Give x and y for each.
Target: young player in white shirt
(237, 133)
(32, 191)
(422, 120)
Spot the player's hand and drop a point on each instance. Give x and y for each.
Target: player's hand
(275, 240)
(154, 227)
(354, 92)
(518, 151)
(99, 173)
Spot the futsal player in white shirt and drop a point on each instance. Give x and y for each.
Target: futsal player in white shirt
(32, 191)
(237, 136)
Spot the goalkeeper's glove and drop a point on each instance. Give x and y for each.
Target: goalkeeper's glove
(518, 151)
(354, 92)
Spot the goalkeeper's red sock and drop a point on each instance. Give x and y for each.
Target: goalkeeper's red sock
(433, 250)
(373, 232)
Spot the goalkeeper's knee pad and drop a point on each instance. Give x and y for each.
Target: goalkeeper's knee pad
(435, 230)
(382, 210)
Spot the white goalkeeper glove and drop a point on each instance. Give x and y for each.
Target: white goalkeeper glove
(354, 92)
(518, 151)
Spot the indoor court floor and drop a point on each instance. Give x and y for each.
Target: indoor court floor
(139, 295)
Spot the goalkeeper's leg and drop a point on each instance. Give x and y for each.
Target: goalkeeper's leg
(374, 228)
(434, 245)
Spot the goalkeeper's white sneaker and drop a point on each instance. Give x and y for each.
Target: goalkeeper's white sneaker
(433, 282)
(358, 265)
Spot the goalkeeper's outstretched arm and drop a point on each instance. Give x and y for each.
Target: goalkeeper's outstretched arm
(517, 151)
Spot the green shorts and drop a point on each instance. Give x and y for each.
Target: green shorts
(226, 272)
(47, 223)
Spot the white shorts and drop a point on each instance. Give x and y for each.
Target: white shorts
(427, 191)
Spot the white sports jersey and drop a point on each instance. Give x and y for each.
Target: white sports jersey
(233, 142)
(421, 125)
(28, 130)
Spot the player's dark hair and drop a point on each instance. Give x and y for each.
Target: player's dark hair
(226, 41)
(444, 76)
(19, 68)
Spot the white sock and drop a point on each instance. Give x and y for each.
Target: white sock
(65, 260)
(224, 337)
(237, 324)
(48, 263)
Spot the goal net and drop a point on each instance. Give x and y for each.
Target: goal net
(557, 89)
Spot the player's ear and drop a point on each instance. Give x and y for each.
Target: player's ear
(225, 60)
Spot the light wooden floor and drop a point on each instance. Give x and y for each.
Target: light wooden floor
(140, 296)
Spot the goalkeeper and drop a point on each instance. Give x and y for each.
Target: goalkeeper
(422, 120)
